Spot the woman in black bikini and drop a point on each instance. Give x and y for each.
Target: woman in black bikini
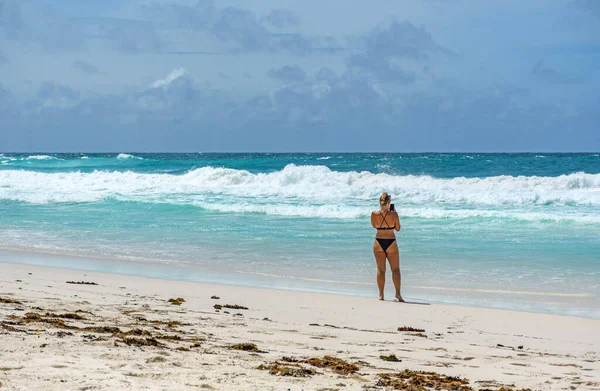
(386, 220)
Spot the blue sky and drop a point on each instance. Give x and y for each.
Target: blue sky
(233, 75)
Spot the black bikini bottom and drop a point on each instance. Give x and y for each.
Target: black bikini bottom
(385, 243)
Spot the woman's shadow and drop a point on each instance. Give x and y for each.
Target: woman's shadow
(415, 302)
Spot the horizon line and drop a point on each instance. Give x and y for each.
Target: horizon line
(306, 152)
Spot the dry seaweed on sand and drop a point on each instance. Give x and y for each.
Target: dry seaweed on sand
(140, 341)
(177, 301)
(218, 306)
(337, 365)
(8, 327)
(171, 324)
(65, 316)
(247, 347)
(103, 329)
(33, 317)
(81, 282)
(169, 337)
(136, 332)
(235, 307)
(412, 329)
(417, 380)
(6, 300)
(215, 297)
(156, 359)
(293, 370)
(391, 357)
(48, 318)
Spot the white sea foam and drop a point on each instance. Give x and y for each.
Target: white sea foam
(354, 212)
(6, 159)
(316, 191)
(17, 160)
(324, 158)
(128, 156)
(325, 211)
(42, 157)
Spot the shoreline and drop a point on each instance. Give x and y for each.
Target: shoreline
(491, 348)
(155, 270)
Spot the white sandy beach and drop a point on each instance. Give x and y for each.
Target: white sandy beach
(44, 346)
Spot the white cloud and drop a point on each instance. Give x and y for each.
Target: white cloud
(171, 77)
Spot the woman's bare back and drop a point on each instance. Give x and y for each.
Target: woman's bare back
(388, 220)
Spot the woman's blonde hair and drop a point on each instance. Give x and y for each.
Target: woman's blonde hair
(384, 199)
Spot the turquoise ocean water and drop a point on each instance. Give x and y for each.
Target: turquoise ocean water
(515, 231)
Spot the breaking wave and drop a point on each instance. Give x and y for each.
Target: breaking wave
(315, 191)
(128, 156)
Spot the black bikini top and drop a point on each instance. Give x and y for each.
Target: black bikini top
(381, 227)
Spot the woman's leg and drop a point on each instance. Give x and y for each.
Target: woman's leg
(380, 259)
(393, 256)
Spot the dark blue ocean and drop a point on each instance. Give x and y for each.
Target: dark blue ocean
(516, 231)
